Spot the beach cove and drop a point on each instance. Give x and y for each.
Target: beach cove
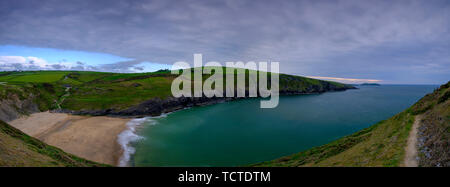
(199, 136)
(93, 138)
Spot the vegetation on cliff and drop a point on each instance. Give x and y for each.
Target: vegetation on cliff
(118, 91)
(434, 131)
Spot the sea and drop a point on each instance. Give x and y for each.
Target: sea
(239, 133)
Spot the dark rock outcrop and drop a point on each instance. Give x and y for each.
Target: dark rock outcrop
(152, 107)
(157, 106)
(13, 107)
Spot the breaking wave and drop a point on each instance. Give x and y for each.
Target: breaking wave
(129, 135)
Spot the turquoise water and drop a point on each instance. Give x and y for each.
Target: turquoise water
(239, 132)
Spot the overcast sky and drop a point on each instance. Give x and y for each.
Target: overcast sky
(390, 41)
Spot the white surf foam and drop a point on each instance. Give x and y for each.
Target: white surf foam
(129, 136)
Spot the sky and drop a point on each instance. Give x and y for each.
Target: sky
(390, 42)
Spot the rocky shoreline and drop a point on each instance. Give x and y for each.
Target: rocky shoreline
(157, 106)
(15, 106)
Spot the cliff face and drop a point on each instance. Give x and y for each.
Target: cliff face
(25, 98)
(157, 106)
(97, 93)
(13, 107)
(319, 87)
(151, 107)
(150, 94)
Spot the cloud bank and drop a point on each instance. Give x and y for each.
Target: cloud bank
(388, 40)
(14, 63)
(20, 63)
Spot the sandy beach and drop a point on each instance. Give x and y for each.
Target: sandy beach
(93, 138)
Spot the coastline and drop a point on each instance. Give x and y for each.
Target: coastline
(156, 106)
(93, 138)
(130, 135)
(105, 136)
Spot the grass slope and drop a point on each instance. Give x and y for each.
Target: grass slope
(19, 149)
(382, 144)
(434, 132)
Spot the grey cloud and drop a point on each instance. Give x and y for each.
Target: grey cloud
(18, 66)
(56, 66)
(305, 36)
(139, 68)
(120, 66)
(13, 63)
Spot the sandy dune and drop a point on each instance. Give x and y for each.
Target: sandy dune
(93, 138)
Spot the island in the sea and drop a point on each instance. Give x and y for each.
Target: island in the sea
(369, 84)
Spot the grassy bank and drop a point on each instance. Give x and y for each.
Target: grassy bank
(19, 149)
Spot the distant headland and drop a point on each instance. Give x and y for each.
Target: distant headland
(367, 84)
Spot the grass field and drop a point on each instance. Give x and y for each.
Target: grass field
(45, 76)
(101, 90)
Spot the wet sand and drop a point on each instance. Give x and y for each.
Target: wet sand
(93, 138)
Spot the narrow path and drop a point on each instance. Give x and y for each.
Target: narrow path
(61, 99)
(411, 146)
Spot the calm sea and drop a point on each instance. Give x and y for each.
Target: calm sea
(239, 132)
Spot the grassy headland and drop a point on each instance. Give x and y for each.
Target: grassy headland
(117, 91)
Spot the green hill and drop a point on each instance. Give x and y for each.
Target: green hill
(112, 92)
(19, 149)
(383, 144)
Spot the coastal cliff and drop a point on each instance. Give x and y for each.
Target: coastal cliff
(25, 98)
(14, 107)
(157, 106)
(116, 94)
